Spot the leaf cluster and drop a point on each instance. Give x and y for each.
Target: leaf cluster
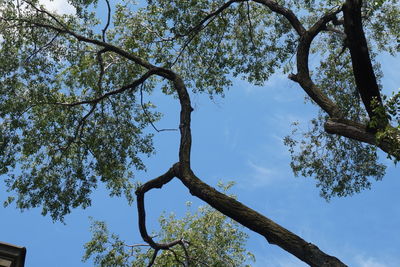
(212, 240)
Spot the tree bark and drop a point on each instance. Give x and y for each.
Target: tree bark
(273, 232)
(364, 74)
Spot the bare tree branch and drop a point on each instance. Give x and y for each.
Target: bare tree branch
(158, 182)
(108, 20)
(140, 192)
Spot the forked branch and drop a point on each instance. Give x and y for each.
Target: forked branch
(158, 182)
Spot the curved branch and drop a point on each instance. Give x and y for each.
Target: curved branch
(158, 182)
(108, 20)
(303, 73)
(303, 50)
(287, 13)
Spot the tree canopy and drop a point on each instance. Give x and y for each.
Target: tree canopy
(207, 236)
(78, 84)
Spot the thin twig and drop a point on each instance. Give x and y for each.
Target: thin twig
(137, 245)
(199, 27)
(148, 115)
(42, 47)
(124, 88)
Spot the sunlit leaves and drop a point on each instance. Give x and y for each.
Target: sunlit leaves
(55, 154)
(245, 39)
(340, 165)
(213, 240)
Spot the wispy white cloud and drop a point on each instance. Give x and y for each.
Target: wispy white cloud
(364, 261)
(262, 176)
(58, 6)
(231, 137)
(276, 80)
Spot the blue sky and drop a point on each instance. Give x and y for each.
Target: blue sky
(237, 138)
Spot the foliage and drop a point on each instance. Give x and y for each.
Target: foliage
(340, 165)
(80, 145)
(72, 112)
(211, 238)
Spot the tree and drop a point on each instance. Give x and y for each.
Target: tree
(206, 238)
(81, 90)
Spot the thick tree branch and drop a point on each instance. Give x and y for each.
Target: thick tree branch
(153, 258)
(306, 37)
(184, 126)
(274, 233)
(303, 73)
(360, 132)
(287, 13)
(363, 70)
